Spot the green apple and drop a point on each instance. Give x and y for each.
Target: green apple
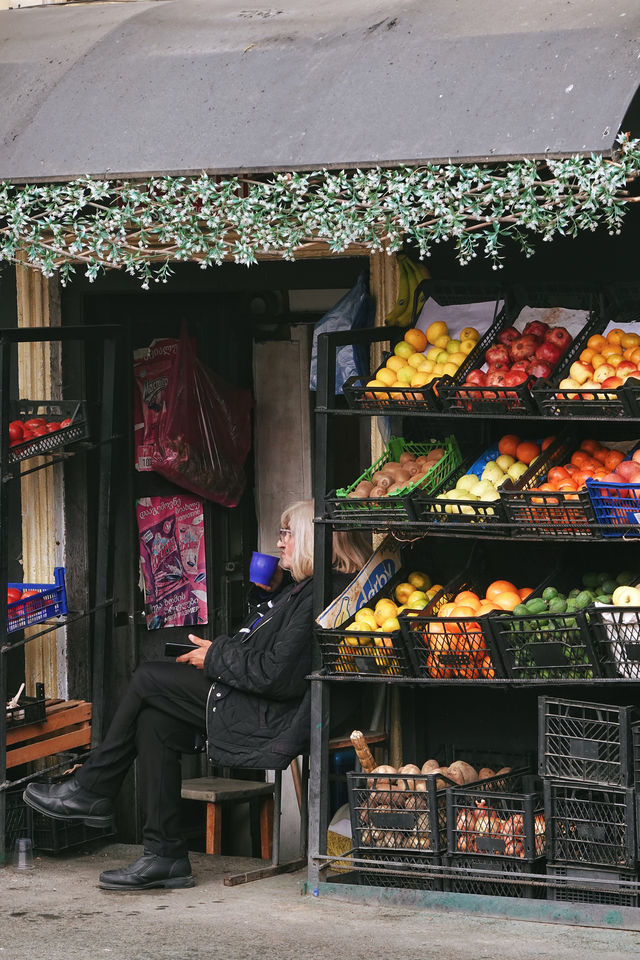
(485, 490)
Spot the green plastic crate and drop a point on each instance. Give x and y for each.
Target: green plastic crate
(393, 504)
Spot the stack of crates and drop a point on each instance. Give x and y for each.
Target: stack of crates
(586, 762)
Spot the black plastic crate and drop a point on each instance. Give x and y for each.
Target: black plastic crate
(600, 404)
(485, 517)
(18, 819)
(581, 741)
(590, 824)
(28, 709)
(635, 741)
(393, 812)
(569, 883)
(547, 647)
(54, 836)
(400, 871)
(494, 876)
(347, 653)
(498, 817)
(340, 505)
(547, 513)
(50, 411)
(616, 636)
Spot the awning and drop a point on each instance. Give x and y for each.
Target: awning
(179, 86)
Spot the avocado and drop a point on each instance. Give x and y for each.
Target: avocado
(590, 580)
(608, 586)
(536, 606)
(584, 599)
(557, 605)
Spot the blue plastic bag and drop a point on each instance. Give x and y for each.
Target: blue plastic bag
(354, 311)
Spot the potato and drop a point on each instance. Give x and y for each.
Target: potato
(430, 765)
(486, 773)
(469, 774)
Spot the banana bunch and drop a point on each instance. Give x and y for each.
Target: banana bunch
(410, 275)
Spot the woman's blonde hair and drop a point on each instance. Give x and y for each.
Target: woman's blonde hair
(350, 551)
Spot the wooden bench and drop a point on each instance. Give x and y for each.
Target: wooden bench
(67, 727)
(216, 791)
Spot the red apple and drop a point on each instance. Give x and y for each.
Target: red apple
(611, 383)
(507, 335)
(568, 384)
(628, 472)
(497, 354)
(635, 456)
(559, 336)
(523, 348)
(549, 352)
(537, 328)
(539, 368)
(625, 366)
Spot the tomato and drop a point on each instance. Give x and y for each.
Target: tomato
(16, 430)
(65, 423)
(52, 427)
(13, 594)
(27, 435)
(29, 593)
(39, 431)
(35, 422)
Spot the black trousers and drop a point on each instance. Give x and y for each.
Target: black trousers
(162, 711)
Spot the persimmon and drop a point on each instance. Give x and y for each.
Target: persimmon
(615, 336)
(613, 458)
(630, 340)
(601, 454)
(547, 442)
(567, 485)
(508, 444)
(527, 451)
(558, 473)
(611, 350)
(587, 355)
(468, 598)
(589, 445)
(579, 458)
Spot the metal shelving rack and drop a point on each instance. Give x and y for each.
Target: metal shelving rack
(325, 412)
(107, 343)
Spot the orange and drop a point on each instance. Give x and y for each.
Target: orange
(611, 350)
(396, 363)
(558, 473)
(615, 336)
(508, 444)
(507, 600)
(416, 338)
(635, 356)
(525, 592)
(527, 451)
(630, 340)
(463, 611)
(597, 360)
(445, 609)
(497, 587)
(486, 606)
(596, 342)
(468, 598)
(587, 355)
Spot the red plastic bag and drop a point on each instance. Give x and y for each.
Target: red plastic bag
(204, 431)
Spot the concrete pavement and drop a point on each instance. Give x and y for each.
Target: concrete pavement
(57, 912)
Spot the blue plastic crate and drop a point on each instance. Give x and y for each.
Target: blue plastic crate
(49, 600)
(616, 506)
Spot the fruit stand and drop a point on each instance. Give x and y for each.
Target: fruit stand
(515, 666)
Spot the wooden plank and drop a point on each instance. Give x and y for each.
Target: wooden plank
(79, 713)
(67, 740)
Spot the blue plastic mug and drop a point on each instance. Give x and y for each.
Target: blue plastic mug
(262, 568)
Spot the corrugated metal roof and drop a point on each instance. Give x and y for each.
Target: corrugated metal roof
(181, 86)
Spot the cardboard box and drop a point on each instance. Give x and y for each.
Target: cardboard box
(378, 570)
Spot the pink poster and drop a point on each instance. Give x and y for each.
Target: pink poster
(172, 560)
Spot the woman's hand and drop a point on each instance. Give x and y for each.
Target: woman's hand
(276, 580)
(195, 657)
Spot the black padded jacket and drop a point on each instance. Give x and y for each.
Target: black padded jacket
(258, 709)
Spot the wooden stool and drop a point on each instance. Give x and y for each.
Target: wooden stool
(214, 791)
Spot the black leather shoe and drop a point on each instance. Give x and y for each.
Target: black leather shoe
(149, 871)
(69, 801)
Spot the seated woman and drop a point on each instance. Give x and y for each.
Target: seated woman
(259, 715)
